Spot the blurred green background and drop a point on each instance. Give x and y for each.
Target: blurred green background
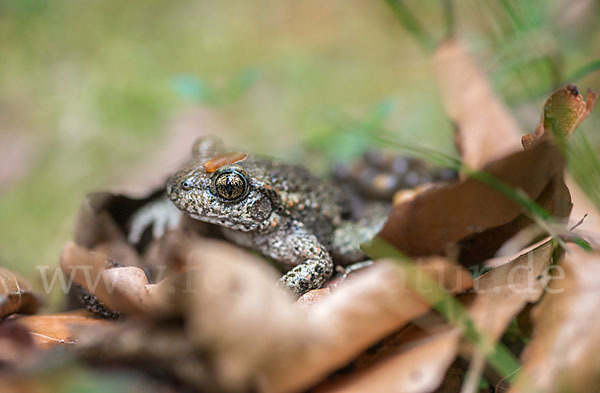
(99, 94)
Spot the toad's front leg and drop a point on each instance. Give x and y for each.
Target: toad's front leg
(308, 275)
(293, 245)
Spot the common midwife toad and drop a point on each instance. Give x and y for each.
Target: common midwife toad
(278, 209)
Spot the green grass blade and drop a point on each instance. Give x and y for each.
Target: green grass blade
(412, 25)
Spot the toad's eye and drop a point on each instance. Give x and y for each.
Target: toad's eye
(230, 185)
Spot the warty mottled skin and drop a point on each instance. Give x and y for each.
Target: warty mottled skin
(278, 209)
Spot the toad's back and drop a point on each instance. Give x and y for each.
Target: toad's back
(318, 203)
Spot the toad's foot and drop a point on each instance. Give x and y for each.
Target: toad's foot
(309, 275)
(161, 214)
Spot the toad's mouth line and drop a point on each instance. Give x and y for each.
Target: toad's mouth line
(230, 223)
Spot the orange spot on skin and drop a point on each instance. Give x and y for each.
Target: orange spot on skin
(219, 160)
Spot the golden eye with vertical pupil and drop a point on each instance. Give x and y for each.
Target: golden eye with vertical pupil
(230, 185)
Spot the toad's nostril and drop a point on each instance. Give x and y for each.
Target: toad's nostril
(186, 185)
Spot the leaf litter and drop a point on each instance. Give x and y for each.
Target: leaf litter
(199, 313)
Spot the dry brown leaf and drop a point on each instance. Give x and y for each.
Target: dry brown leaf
(16, 295)
(417, 367)
(364, 309)
(51, 330)
(555, 199)
(169, 253)
(563, 354)
(228, 319)
(486, 130)
(122, 289)
(249, 331)
(563, 111)
(126, 289)
(245, 321)
(437, 219)
(503, 292)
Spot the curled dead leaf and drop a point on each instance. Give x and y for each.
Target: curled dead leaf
(442, 217)
(500, 294)
(563, 111)
(485, 129)
(16, 295)
(562, 355)
(490, 132)
(122, 289)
